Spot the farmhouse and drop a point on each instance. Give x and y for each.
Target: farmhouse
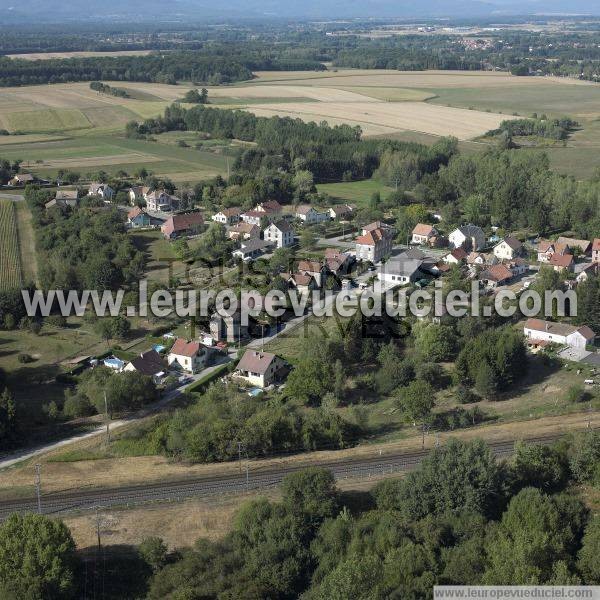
(422, 233)
(22, 179)
(374, 244)
(537, 330)
(280, 234)
(596, 250)
(584, 246)
(149, 363)
(341, 211)
(227, 216)
(508, 249)
(244, 231)
(310, 215)
(101, 190)
(469, 237)
(136, 193)
(185, 224)
(260, 368)
(187, 356)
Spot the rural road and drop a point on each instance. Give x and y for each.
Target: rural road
(254, 478)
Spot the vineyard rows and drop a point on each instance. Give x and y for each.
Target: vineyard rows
(11, 275)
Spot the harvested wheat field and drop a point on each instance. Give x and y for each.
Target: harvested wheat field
(386, 117)
(82, 54)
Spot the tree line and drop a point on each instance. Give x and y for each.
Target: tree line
(462, 517)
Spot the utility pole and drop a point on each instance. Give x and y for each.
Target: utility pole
(107, 419)
(240, 455)
(247, 478)
(38, 486)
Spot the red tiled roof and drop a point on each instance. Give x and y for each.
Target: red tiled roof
(182, 222)
(182, 347)
(459, 253)
(371, 238)
(134, 212)
(423, 229)
(561, 260)
(497, 273)
(312, 266)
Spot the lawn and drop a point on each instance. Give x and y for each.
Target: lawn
(355, 192)
(11, 275)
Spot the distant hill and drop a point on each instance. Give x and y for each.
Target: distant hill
(165, 11)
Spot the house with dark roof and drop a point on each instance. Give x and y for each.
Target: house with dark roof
(310, 215)
(183, 224)
(261, 369)
(456, 256)
(584, 246)
(189, 356)
(341, 211)
(227, 216)
(400, 270)
(149, 363)
(469, 237)
(280, 234)
(250, 249)
(508, 249)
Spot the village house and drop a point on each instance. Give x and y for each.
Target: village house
(547, 249)
(508, 249)
(592, 270)
(315, 269)
(519, 266)
(280, 234)
(378, 225)
(455, 257)
(341, 212)
(337, 262)
(250, 249)
(469, 237)
(101, 190)
(478, 259)
(561, 262)
(159, 201)
(227, 216)
(182, 225)
(138, 217)
(301, 282)
(496, 275)
(244, 231)
(271, 207)
(136, 193)
(537, 330)
(254, 217)
(22, 179)
(227, 328)
(310, 215)
(596, 250)
(149, 363)
(63, 199)
(584, 246)
(260, 369)
(400, 270)
(423, 234)
(374, 244)
(188, 356)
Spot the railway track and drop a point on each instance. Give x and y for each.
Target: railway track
(250, 480)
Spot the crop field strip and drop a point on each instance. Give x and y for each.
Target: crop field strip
(11, 275)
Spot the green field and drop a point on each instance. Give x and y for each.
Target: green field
(11, 275)
(356, 192)
(91, 153)
(49, 120)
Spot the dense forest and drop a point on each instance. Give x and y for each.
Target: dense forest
(461, 517)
